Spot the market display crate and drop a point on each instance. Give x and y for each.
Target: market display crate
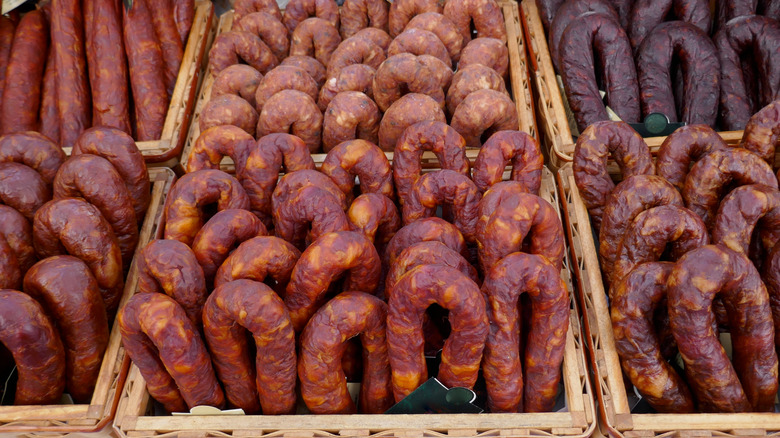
(136, 413)
(60, 420)
(555, 117)
(519, 85)
(614, 395)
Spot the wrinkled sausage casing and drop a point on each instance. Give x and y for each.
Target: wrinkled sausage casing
(443, 28)
(376, 216)
(570, 11)
(744, 210)
(359, 14)
(259, 258)
(293, 112)
(686, 145)
(483, 113)
(485, 15)
(427, 253)
(230, 311)
(169, 352)
(305, 214)
(22, 188)
(297, 11)
(762, 132)
(350, 115)
(284, 77)
(315, 37)
(469, 79)
(646, 15)
(509, 147)
(231, 47)
(362, 159)
(228, 109)
(425, 230)
(270, 30)
(402, 11)
(354, 77)
(405, 112)
(34, 150)
(240, 80)
(16, 230)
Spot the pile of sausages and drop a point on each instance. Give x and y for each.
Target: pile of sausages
(688, 248)
(68, 230)
(66, 67)
(312, 261)
(688, 69)
(363, 72)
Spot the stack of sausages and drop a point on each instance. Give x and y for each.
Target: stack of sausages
(68, 228)
(363, 72)
(309, 261)
(687, 69)
(66, 67)
(688, 248)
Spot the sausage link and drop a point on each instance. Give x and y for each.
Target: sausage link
(443, 28)
(354, 77)
(405, 112)
(239, 80)
(376, 216)
(362, 159)
(217, 142)
(485, 15)
(69, 293)
(743, 210)
(427, 253)
(360, 14)
(228, 109)
(16, 230)
(259, 258)
(294, 112)
(419, 42)
(22, 188)
(323, 343)
(685, 146)
(50, 116)
(404, 72)
(770, 273)
(490, 52)
(570, 11)
(246, 7)
(483, 113)
(284, 77)
(298, 11)
(425, 230)
(469, 79)
(309, 65)
(315, 37)
(503, 148)
(402, 11)
(7, 30)
(33, 150)
(305, 214)
(170, 42)
(168, 351)
(647, 14)
(354, 51)
(232, 310)
(762, 132)
(270, 30)
(184, 15)
(293, 182)
(234, 46)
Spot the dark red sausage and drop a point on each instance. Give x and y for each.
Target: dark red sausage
(49, 115)
(33, 150)
(570, 11)
(647, 14)
(762, 133)
(184, 15)
(7, 28)
(170, 41)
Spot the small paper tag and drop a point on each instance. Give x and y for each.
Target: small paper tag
(10, 5)
(209, 411)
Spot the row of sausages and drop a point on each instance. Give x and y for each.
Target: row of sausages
(68, 228)
(687, 246)
(326, 90)
(94, 49)
(395, 263)
(652, 65)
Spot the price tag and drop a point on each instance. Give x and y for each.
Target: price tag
(10, 5)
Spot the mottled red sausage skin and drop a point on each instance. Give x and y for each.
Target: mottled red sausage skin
(427, 253)
(483, 113)
(298, 11)
(184, 207)
(230, 311)
(652, 231)
(750, 383)
(376, 217)
(323, 342)
(354, 77)
(509, 147)
(360, 14)
(234, 46)
(405, 112)
(646, 15)
(259, 258)
(184, 14)
(159, 337)
(303, 214)
(762, 132)
(326, 259)
(362, 159)
(425, 230)
(16, 230)
(50, 115)
(315, 37)
(170, 267)
(504, 283)
(22, 188)
(634, 301)
(270, 30)
(170, 41)
(402, 11)
(686, 145)
(462, 354)
(743, 210)
(7, 29)
(632, 196)
(602, 33)
(292, 112)
(309, 65)
(21, 98)
(246, 7)
(36, 347)
(230, 110)
(570, 11)
(350, 115)
(593, 148)
(34, 150)
(68, 291)
(240, 80)
(485, 15)
(770, 273)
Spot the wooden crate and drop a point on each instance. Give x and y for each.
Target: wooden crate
(555, 118)
(614, 411)
(59, 420)
(518, 74)
(135, 419)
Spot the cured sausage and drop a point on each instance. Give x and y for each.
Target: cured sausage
(50, 115)
(634, 301)
(435, 136)
(30, 337)
(376, 217)
(350, 115)
(490, 52)
(294, 112)
(427, 253)
(228, 110)
(22, 188)
(469, 79)
(323, 343)
(21, 98)
(315, 37)
(462, 353)
(709, 177)
(171, 268)
(243, 8)
(570, 11)
(404, 72)
(591, 152)
(246, 305)
(284, 77)
(652, 231)
(402, 11)
(770, 273)
(444, 187)
(75, 227)
(743, 210)
(577, 66)
(376, 36)
(184, 14)
(239, 80)
(217, 142)
(360, 14)
(298, 11)
(729, 9)
(425, 230)
(303, 215)
(344, 252)
(485, 15)
(483, 113)
(443, 28)
(310, 66)
(120, 150)
(509, 147)
(147, 73)
(107, 64)
(231, 47)
(67, 35)
(362, 159)
(762, 132)
(69, 293)
(686, 145)
(7, 29)
(738, 36)
(419, 42)
(631, 197)
(750, 384)
(548, 10)
(507, 216)
(33, 150)
(222, 234)
(405, 112)
(188, 198)
(355, 77)
(647, 14)
(294, 181)
(504, 283)
(264, 165)
(168, 351)
(698, 61)
(259, 258)
(95, 180)
(353, 51)
(270, 30)
(16, 230)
